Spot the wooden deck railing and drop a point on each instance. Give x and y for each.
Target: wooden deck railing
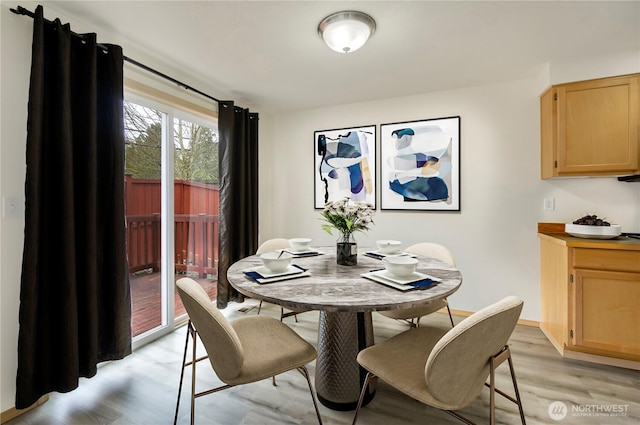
(196, 243)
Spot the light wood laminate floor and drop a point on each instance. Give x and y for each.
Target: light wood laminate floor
(142, 389)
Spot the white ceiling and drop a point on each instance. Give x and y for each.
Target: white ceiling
(268, 55)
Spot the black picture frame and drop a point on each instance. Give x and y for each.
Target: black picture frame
(420, 165)
(345, 165)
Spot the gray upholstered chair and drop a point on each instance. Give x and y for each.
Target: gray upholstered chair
(274, 245)
(412, 315)
(447, 368)
(241, 351)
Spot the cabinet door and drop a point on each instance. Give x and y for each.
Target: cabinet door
(607, 312)
(549, 133)
(597, 124)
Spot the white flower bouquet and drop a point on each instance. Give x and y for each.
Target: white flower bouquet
(347, 217)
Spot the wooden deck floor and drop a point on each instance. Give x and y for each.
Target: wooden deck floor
(146, 300)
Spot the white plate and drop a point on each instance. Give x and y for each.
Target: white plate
(386, 282)
(381, 255)
(413, 277)
(283, 277)
(593, 232)
(377, 277)
(266, 273)
(308, 252)
(398, 253)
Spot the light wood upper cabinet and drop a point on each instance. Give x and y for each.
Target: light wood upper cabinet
(591, 128)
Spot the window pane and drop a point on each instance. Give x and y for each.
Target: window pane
(196, 205)
(143, 165)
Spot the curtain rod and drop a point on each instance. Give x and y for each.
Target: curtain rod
(22, 11)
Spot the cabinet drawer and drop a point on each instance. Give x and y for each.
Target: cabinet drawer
(606, 259)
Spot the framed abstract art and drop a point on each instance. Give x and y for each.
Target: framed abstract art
(345, 165)
(420, 165)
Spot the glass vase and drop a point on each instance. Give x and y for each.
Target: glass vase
(347, 250)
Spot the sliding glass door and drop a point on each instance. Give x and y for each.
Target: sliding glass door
(171, 211)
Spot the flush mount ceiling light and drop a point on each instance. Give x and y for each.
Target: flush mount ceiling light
(346, 31)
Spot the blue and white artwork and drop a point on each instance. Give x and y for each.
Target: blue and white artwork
(345, 165)
(420, 165)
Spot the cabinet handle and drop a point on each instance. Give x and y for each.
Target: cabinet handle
(571, 334)
(571, 278)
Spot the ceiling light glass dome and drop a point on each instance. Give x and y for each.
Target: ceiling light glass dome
(346, 31)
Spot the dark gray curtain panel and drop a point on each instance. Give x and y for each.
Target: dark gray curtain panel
(75, 303)
(238, 153)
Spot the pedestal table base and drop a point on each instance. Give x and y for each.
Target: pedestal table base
(339, 377)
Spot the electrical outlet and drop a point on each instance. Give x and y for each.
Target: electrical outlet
(549, 204)
(11, 207)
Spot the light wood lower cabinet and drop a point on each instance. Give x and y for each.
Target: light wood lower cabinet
(590, 299)
(606, 316)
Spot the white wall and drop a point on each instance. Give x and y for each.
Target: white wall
(14, 72)
(494, 236)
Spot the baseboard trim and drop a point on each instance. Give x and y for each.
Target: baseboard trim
(524, 322)
(13, 413)
(595, 358)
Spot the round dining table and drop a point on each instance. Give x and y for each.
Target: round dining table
(345, 300)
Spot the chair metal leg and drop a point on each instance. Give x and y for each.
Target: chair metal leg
(191, 331)
(370, 377)
(193, 378)
(460, 418)
(492, 392)
(495, 361)
(184, 360)
(450, 316)
(411, 322)
(305, 372)
(515, 387)
(283, 314)
(259, 307)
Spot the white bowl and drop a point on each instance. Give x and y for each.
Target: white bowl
(400, 266)
(300, 244)
(276, 261)
(388, 246)
(593, 232)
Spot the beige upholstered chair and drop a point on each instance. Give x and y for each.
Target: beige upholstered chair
(274, 245)
(447, 368)
(412, 315)
(241, 351)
